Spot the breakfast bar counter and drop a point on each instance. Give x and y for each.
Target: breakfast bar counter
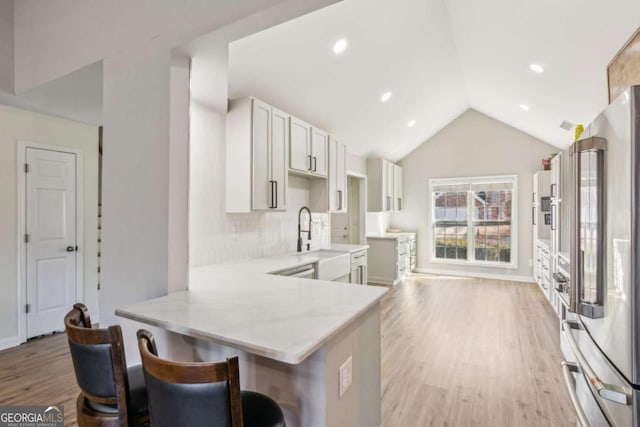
(292, 335)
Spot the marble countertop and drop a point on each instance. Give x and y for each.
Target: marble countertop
(242, 306)
(389, 235)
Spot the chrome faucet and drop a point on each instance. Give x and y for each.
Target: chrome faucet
(300, 230)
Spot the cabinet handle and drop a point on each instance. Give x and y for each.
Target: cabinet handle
(553, 190)
(533, 215)
(388, 203)
(310, 162)
(399, 203)
(553, 217)
(315, 164)
(339, 200)
(273, 204)
(276, 198)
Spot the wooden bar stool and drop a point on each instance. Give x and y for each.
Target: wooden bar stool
(201, 394)
(111, 394)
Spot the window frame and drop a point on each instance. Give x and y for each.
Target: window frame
(513, 179)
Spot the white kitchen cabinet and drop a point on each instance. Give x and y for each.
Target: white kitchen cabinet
(359, 268)
(390, 258)
(319, 151)
(308, 152)
(300, 146)
(397, 188)
(381, 188)
(337, 177)
(257, 141)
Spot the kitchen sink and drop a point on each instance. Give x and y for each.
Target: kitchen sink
(333, 265)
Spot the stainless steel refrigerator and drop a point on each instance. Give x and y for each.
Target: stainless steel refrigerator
(603, 378)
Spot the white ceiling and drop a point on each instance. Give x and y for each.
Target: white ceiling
(438, 58)
(76, 96)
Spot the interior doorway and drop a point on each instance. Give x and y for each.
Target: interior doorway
(50, 261)
(350, 227)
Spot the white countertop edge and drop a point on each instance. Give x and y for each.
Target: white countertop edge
(292, 359)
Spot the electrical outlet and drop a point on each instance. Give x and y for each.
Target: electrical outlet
(346, 375)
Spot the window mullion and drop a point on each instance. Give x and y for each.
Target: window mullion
(471, 250)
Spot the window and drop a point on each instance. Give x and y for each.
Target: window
(473, 220)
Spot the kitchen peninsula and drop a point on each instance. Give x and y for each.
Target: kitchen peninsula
(292, 335)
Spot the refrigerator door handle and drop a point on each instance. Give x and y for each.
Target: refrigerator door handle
(606, 391)
(570, 382)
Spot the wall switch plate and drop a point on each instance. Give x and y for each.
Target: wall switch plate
(530, 262)
(346, 375)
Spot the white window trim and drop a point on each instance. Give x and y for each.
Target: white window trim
(514, 221)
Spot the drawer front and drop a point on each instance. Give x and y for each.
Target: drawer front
(359, 258)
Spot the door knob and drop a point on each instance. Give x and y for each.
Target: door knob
(70, 249)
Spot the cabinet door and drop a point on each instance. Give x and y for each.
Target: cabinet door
(278, 166)
(332, 179)
(397, 187)
(341, 176)
(390, 183)
(260, 131)
(319, 151)
(300, 145)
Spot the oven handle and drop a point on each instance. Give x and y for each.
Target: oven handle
(606, 391)
(570, 382)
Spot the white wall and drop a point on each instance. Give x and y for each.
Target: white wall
(15, 125)
(135, 182)
(356, 164)
(6, 46)
(472, 145)
(179, 173)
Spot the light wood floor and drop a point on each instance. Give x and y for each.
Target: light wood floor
(455, 352)
(471, 352)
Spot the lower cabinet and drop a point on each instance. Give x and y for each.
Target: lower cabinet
(542, 268)
(391, 258)
(359, 268)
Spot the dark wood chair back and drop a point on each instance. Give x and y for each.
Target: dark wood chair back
(190, 393)
(99, 361)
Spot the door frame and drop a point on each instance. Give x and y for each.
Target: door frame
(21, 293)
(363, 204)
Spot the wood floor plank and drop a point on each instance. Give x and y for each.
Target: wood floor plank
(455, 352)
(471, 352)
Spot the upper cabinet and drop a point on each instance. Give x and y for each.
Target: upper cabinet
(385, 186)
(397, 188)
(309, 149)
(319, 151)
(257, 150)
(337, 179)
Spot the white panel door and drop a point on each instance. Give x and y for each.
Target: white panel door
(261, 184)
(51, 246)
(319, 151)
(279, 145)
(300, 143)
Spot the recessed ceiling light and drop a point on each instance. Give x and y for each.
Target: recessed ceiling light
(566, 125)
(385, 96)
(525, 107)
(537, 68)
(411, 123)
(340, 46)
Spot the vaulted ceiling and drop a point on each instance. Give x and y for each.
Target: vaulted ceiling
(437, 58)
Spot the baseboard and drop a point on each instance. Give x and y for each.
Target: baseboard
(380, 281)
(6, 343)
(525, 279)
